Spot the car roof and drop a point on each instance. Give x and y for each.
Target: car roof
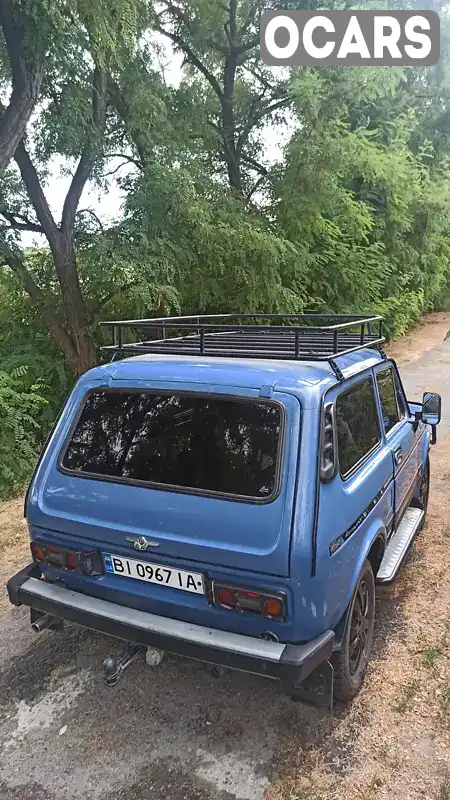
(252, 373)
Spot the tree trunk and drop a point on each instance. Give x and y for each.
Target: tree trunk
(83, 354)
(14, 121)
(53, 321)
(228, 123)
(26, 84)
(228, 133)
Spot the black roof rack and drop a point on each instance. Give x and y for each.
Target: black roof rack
(298, 337)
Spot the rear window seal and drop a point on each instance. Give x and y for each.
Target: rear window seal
(166, 487)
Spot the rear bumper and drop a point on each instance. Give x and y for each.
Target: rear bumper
(290, 663)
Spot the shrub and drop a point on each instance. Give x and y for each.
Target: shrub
(19, 431)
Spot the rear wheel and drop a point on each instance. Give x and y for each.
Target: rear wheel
(350, 663)
(420, 499)
(424, 488)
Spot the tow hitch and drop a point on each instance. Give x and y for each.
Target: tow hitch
(115, 666)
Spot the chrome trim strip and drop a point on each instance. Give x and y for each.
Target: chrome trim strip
(336, 543)
(197, 634)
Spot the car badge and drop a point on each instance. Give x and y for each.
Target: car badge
(141, 543)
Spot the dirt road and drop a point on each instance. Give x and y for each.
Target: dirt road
(176, 733)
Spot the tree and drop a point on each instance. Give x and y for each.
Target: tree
(236, 94)
(344, 220)
(73, 125)
(70, 329)
(220, 43)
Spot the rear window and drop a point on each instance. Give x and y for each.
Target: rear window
(203, 444)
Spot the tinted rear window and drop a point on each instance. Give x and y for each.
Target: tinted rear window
(210, 444)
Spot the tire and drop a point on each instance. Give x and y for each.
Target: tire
(420, 499)
(424, 487)
(350, 663)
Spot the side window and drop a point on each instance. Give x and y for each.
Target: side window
(389, 397)
(357, 425)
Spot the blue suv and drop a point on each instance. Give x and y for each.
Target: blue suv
(231, 489)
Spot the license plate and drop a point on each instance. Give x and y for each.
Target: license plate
(154, 573)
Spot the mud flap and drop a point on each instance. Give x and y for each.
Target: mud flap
(317, 689)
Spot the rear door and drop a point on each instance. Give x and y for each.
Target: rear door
(204, 476)
(358, 501)
(401, 437)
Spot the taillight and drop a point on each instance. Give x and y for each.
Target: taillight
(273, 607)
(225, 597)
(84, 562)
(37, 551)
(236, 599)
(54, 555)
(71, 561)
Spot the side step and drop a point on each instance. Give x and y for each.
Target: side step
(399, 544)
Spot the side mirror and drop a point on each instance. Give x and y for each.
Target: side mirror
(431, 408)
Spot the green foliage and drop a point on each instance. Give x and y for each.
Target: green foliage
(19, 408)
(208, 250)
(26, 345)
(373, 209)
(109, 25)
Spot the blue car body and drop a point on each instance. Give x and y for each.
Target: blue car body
(307, 544)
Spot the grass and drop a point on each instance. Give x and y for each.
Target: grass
(304, 793)
(444, 791)
(387, 755)
(434, 656)
(446, 527)
(430, 655)
(444, 703)
(406, 697)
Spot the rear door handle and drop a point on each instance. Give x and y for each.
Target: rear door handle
(398, 456)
